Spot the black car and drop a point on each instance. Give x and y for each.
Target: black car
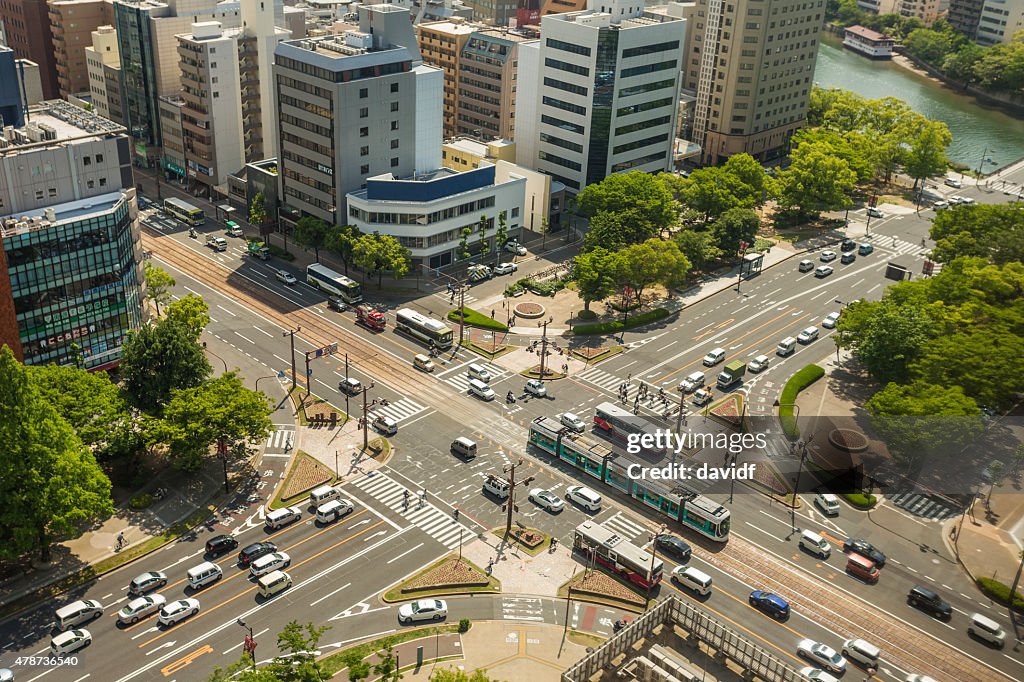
(218, 545)
(865, 549)
(848, 245)
(673, 546)
(930, 602)
(255, 551)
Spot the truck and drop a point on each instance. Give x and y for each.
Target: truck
(478, 273)
(216, 243)
(259, 249)
(370, 317)
(732, 373)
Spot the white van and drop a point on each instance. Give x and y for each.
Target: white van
(478, 372)
(480, 389)
(815, 544)
(333, 510)
(204, 574)
(282, 517)
(324, 493)
(986, 629)
(692, 579)
(496, 487)
(864, 653)
(75, 613)
(808, 335)
(828, 503)
(385, 425)
(423, 362)
(269, 563)
(274, 582)
(692, 382)
(464, 447)
(786, 346)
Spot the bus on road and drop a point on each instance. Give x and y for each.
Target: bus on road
(184, 211)
(611, 550)
(425, 329)
(325, 279)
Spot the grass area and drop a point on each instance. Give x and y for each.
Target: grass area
(278, 252)
(585, 638)
(346, 658)
(635, 603)
(278, 501)
(609, 352)
(395, 594)
(1000, 592)
(476, 348)
(513, 542)
(798, 382)
(475, 319)
(617, 325)
(861, 500)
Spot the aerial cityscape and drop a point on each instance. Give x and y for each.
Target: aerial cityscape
(493, 340)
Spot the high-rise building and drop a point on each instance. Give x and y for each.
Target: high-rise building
(351, 107)
(751, 65)
(11, 104)
(27, 29)
(72, 23)
(964, 15)
(599, 92)
(485, 105)
(1000, 20)
(70, 263)
(103, 64)
(494, 12)
(441, 44)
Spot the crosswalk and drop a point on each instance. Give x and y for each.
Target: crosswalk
(626, 528)
(425, 516)
(447, 298)
(651, 403)
(280, 440)
(925, 505)
(459, 376)
(904, 248)
(400, 409)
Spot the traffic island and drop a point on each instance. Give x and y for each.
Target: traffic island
(592, 356)
(549, 374)
(488, 349)
(594, 586)
(531, 540)
(449, 576)
(304, 474)
(729, 409)
(315, 411)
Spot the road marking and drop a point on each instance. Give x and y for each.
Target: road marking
(247, 339)
(226, 310)
(404, 553)
(666, 346)
(263, 332)
(326, 596)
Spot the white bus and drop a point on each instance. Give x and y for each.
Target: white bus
(423, 328)
(611, 550)
(325, 279)
(184, 211)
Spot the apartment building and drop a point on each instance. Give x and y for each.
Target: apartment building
(485, 105)
(72, 23)
(964, 15)
(351, 107)
(598, 93)
(11, 106)
(925, 10)
(71, 284)
(999, 21)
(26, 27)
(103, 66)
(494, 12)
(441, 45)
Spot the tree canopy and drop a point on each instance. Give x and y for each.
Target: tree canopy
(312, 233)
(994, 232)
(158, 284)
(88, 401)
(341, 241)
(160, 358)
(640, 194)
(376, 253)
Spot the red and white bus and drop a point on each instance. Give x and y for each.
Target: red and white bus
(611, 550)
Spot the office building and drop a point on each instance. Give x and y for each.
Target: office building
(598, 93)
(428, 212)
(26, 26)
(1000, 20)
(173, 136)
(103, 64)
(751, 66)
(11, 105)
(485, 105)
(441, 45)
(494, 12)
(70, 266)
(925, 10)
(72, 23)
(964, 15)
(351, 107)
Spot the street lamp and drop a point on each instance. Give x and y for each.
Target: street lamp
(654, 557)
(216, 356)
(796, 488)
(250, 642)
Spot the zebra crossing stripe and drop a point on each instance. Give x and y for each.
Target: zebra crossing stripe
(426, 517)
(401, 409)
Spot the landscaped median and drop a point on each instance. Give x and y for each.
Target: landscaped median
(798, 382)
(472, 318)
(594, 586)
(1000, 592)
(619, 325)
(451, 575)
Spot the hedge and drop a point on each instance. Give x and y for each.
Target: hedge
(798, 382)
(999, 592)
(861, 500)
(475, 319)
(617, 325)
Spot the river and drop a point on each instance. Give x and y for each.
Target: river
(975, 128)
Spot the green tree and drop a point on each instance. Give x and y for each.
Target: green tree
(387, 665)
(816, 181)
(50, 483)
(849, 147)
(300, 646)
(88, 401)
(754, 183)
(341, 241)
(886, 336)
(639, 194)
(595, 275)
(482, 226)
(452, 675)
(966, 359)
(994, 232)
(376, 252)
(464, 242)
(258, 213)
(159, 358)
(926, 157)
(734, 226)
(191, 312)
(931, 46)
(158, 284)
(712, 191)
(698, 247)
(196, 418)
(639, 266)
(312, 233)
(961, 64)
(615, 230)
(500, 236)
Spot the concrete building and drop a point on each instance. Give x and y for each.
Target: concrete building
(428, 212)
(441, 45)
(964, 15)
(925, 10)
(751, 67)
(70, 267)
(103, 63)
(999, 21)
(485, 105)
(11, 104)
(32, 81)
(561, 6)
(173, 136)
(27, 29)
(598, 93)
(352, 107)
(494, 12)
(72, 23)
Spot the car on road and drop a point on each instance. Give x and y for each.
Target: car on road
(806, 266)
(282, 517)
(285, 276)
(69, 642)
(139, 608)
(233, 229)
(251, 553)
(150, 580)
(825, 656)
(875, 212)
(274, 561)
(584, 497)
(505, 268)
(827, 256)
(701, 396)
(953, 182)
(956, 200)
(759, 364)
(929, 601)
(78, 612)
(865, 248)
(714, 357)
(547, 500)
(830, 321)
(692, 382)
(807, 335)
(865, 549)
(940, 205)
(816, 675)
(673, 546)
(536, 387)
(220, 544)
(177, 611)
(847, 245)
(823, 271)
(515, 247)
(770, 604)
(573, 422)
(423, 609)
(848, 258)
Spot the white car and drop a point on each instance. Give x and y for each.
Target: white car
(584, 497)
(953, 182)
(814, 675)
(274, 561)
(825, 656)
(546, 500)
(759, 364)
(282, 517)
(956, 199)
(137, 609)
(178, 610)
(423, 609)
(692, 382)
(505, 268)
(875, 212)
(939, 205)
(714, 357)
(536, 387)
(516, 248)
(573, 422)
(150, 580)
(823, 271)
(285, 276)
(827, 256)
(702, 397)
(830, 321)
(69, 642)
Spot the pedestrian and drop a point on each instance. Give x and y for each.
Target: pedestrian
(922, 241)
(456, 513)
(492, 313)
(628, 377)
(120, 540)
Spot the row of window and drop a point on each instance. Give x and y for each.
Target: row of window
(306, 143)
(564, 125)
(392, 218)
(309, 107)
(645, 106)
(636, 163)
(322, 131)
(567, 67)
(560, 161)
(559, 142)
(646, 142)
(308, 199)
(650, 49)
(564, 106)
(648, 68)
(640, 125)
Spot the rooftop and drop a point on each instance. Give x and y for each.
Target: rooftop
(41, 218)
(450, 27)
(54, 122)
(351, 51)
(867, 33)
(515, 36)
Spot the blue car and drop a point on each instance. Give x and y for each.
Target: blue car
(771, 604)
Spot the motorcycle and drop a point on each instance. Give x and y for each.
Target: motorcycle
(621, 623)
(193, 234)
(510, 398)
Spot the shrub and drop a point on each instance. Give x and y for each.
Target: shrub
(997, 591)
(586, 315)
(617, 325)
(547, 288)
(464, 625)
(861, 500)
(798, 382)
(512, 289)
(278, 252)
(140, 501)
(475, 319)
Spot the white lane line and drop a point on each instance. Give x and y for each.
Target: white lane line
(263, 332)
(247, 339)
(226, 310)
(664, 347)
(280, 358)
(404, 553)
(331, 594)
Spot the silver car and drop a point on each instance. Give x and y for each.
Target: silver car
(150, 580)
(423, 609)
(137, 609)
(547, 500)
(178, 610)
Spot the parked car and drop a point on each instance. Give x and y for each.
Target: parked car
(254, 551)
(673, 546)
(150, 580)
(536, 388)
(422, 609)
(771, 604)
(505, 268)
(825, 656)
(178, 610)
(546, 500)
(827, 256)
(139, 608)
(865, 549)
(220, 544)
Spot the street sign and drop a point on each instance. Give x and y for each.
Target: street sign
(326, 350)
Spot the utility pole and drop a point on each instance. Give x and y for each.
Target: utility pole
(462, 311)
(679, 418)
(364, 421)
(743, 252)
(510, 506)
(654, 557)
(544, 344)
(291, 333)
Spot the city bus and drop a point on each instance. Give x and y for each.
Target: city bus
(423, 328)
(619, 424)
(606, 547)
(325, 279)
(184, 211)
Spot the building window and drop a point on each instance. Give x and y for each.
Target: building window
(39, 194)
(394, 106)
(515, 211)
(564, 125)
(86, 161)
(364, 151)
(564, 106)
(394, 125)
(394, 144)
(364, 112)
(363, 170)
(216, 94)
(394, 162)
(103, 183)
(567, 47)
(364, 132)
(650, 49)
(99, 158)
(88, 183)
(53, 192)
(394, 87)
(364, 93)
(562, 85)
(566, 66)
